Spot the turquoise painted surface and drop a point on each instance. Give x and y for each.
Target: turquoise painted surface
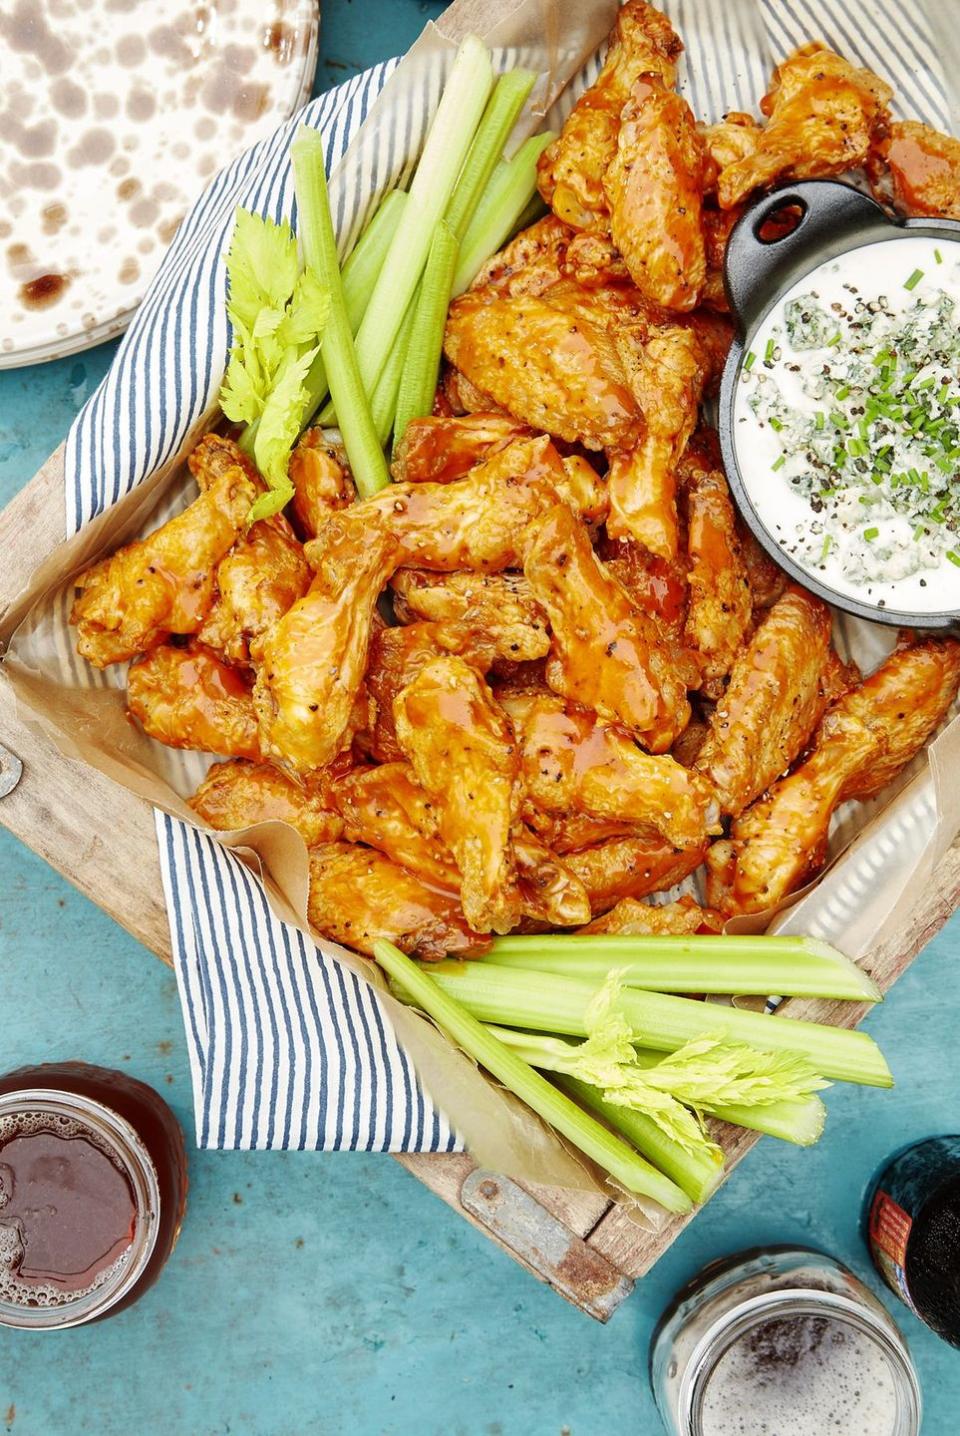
(333, 1294)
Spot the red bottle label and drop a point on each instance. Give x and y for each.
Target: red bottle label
(890, 1228)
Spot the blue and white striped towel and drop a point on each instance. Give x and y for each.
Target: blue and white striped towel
(287, 1047)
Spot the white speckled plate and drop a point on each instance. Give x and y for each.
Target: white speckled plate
(113, 116)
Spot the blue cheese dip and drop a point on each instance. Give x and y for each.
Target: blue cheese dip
(847, 423)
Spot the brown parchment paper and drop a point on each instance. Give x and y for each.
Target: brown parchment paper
(83, 711)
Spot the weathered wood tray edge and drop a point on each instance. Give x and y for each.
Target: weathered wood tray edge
(88, 829)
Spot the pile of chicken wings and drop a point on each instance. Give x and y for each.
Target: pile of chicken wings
(545, 674)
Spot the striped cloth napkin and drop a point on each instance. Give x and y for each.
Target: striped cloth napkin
(287, 1047)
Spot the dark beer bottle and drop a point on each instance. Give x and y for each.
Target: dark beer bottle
(912, 1220)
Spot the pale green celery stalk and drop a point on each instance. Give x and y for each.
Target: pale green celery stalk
(364, 451)
(741, 965)
(359, 276)
(548, 1003)
(421, 365)
(695, 1173)
(503, 110)
(512, 186)
(555, 1107)
(448, 141)
(800, 1122)
(383, 405)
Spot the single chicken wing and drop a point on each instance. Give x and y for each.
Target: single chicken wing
(654, 188)
(825, 117)
(773, 702)
(862, 743)
(437, 449)
(166, 582)
(573, 762)
(669, 384)
(261, 577)
(530, 263)
(921, 166)
(315, 657)
(642, 919)
(464, 754)
(320, 481)
(606, 654)
(631, 867)
(187, 698)
(386, 808)
(553, 367)
(213, 456)
(573, 167)
(237, 795)
(358, 895)
(500, 605)
(719, 615)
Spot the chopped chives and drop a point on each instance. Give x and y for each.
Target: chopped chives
(818, 420)
(769, 351)
(842, 392)
(927, 383)
(832, 343)
(938, 256)
(914, 279)
(750, 360)
(870, 534)
(919, 532)
(780, 462)
(775, 425)
(827, 544)
(953, 556)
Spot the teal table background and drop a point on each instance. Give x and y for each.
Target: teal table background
(333, 1294)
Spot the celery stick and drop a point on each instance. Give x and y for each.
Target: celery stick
(418, 382)
(383, 405)
(503, 109)
(789, 966)
(458, 114)
(554, 1107)
(320, 252)
(558, 1004)
(695, 1173)
(359, 276)
(800, 1121)
(512, 186)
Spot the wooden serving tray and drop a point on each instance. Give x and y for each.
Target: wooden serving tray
(102, 839)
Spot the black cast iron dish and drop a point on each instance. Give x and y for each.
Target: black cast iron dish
(834, 218)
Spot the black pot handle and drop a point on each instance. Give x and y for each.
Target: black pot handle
(834, 217)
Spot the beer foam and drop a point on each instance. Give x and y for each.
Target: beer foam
(42, 1295)
(804, 1375)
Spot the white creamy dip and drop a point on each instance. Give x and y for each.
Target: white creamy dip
(846, 423)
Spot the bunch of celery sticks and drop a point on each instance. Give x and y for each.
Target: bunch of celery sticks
(633, 1071)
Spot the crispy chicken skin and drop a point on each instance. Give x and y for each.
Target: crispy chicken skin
(654, 187)
(549, 891)
(606, 654)
(358, 895)
(573, 167)
(261, 577)
(464, 754)
(773, 702)
(720, 609)
(500, 605)
(733, 138)
(862, 743)
(631, 867)
(165, 583)
(669, 384)
(315, 657)
(437, 449)
(238, 794)
(557, 372)
(643, 919)
(396, 657)
(921, 166)
(386, 808)
(825, 116)
(187, 698)
(213, 456)
(478, 522)
(573, 762)
(657, 586)
(320, 482)
(530, 263)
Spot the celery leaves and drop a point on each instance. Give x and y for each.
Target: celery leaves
(278, 312)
